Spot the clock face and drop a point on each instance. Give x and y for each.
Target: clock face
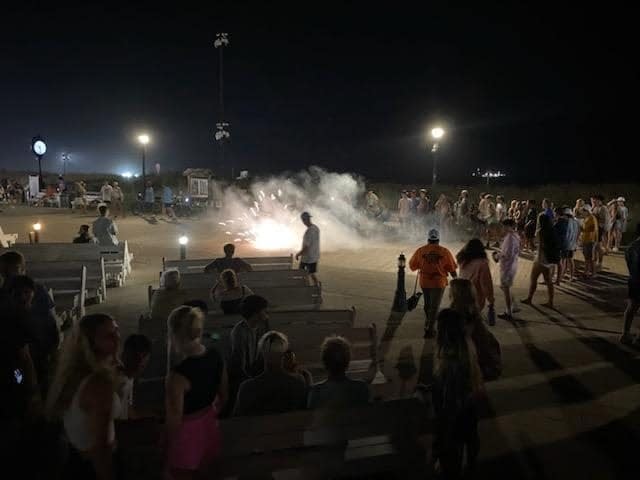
(39, 147)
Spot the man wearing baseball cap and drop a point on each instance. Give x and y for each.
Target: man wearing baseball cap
(310, 252)
(434, 263)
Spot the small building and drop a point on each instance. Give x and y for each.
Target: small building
(198, 182)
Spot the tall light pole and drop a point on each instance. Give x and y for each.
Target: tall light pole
(436, 134)
(222, 134)
(144, 140)
(65, 159)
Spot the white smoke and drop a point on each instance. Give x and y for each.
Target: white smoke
(268, 214)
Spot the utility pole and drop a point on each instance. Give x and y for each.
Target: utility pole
(222, 134)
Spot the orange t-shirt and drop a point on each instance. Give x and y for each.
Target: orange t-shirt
(435, 263)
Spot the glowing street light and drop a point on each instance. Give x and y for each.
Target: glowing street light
(127, 175)
(183, 240)
(436, 134)
(144, 140)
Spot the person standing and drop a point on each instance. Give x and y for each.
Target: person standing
(619, 222)
(167, 201)
(474, 266)
(632, 257)
(573, 233)
(547, 255)
(434, 264)
(507, 257)
(589, 238)
(105, 229)
(530, 221)
(561, 227)
(196, 390)
(106, 192)
(149, 197)
(601, 213)
(404, 209)
(117, 199)
(81, 192)
(309, 254)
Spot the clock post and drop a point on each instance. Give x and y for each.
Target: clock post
(39, 147)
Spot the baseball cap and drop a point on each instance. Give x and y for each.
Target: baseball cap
(621, 199)
(305, 215)
(434, 235)
(567, 211)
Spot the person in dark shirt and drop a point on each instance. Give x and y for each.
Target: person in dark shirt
(228, 262)
(338, 391)
(632, 257)
(83, 235)
(196, 390)
(274, 390)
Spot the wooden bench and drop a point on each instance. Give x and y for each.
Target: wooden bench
(257, 263)
(265, 278)
(382, 440)
(61, 275)
(7, 239)
(69, 294)
(117, 259)
(300, 297)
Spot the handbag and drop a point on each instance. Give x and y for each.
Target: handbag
(413, 300)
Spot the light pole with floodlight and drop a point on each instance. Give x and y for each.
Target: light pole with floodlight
(222, 133)
(436, 134)
(144, 140)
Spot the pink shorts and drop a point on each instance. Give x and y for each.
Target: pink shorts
(197, 443)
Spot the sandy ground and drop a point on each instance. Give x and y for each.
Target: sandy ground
(567, 404)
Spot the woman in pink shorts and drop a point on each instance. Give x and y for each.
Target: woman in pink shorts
(197, 388)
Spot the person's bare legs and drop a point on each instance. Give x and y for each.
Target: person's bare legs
(314, 280)
(546, 273)
(629, 313)
(536, 270)
(562, 265)
(571, 268)
(508, 300)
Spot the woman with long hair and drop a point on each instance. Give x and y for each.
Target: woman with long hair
(457, 386)
(463, 301)
(196, 390)
(83, 395)
(474, 266)
(228, 292)
(547, 255)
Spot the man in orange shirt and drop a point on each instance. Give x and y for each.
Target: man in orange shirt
(434, 263)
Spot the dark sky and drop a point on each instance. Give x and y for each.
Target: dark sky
(541, 93)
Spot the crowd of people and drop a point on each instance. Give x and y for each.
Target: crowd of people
(11, 191)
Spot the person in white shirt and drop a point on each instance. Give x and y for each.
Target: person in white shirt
(106, 191)
(104, 229)
(310, 252)
(117, 199)
(404, 208)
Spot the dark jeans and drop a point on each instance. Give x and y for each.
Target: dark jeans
(432, 300)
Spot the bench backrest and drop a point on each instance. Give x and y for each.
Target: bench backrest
(278, 297)
(265, 278)
(70, 294)
(258, 263)
(62, 252)
(51, 274)
(7, 239)
(281, 319)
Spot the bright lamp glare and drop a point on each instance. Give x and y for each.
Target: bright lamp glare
(437, 132)
(127, 175)
(183, 240)
(143, 139)
(37, 226)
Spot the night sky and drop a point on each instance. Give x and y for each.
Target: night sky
(543, 94)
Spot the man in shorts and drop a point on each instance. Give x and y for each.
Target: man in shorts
(601, 212)
(309, 254)
(589, 239)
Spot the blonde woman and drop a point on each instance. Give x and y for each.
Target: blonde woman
(83, 395)
(196, 390)
(229, 293)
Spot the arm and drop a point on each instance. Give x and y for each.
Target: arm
(176, 385)
(31, 381)
(242, 402)
(210, 267)
(223, 391)
(246, 267)
(97, 400)
(415, 261)
(302, 252)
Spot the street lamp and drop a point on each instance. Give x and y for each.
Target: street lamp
(222, 134)
(436, 134)
(183, 240)
(144, 140)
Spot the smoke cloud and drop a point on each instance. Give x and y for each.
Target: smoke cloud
(267, 215)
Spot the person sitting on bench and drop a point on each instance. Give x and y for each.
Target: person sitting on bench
(338, 391)
(84, 236)
(274, 390)
(229, 293)
(104, 228)
(228, 262)
(165, 300)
